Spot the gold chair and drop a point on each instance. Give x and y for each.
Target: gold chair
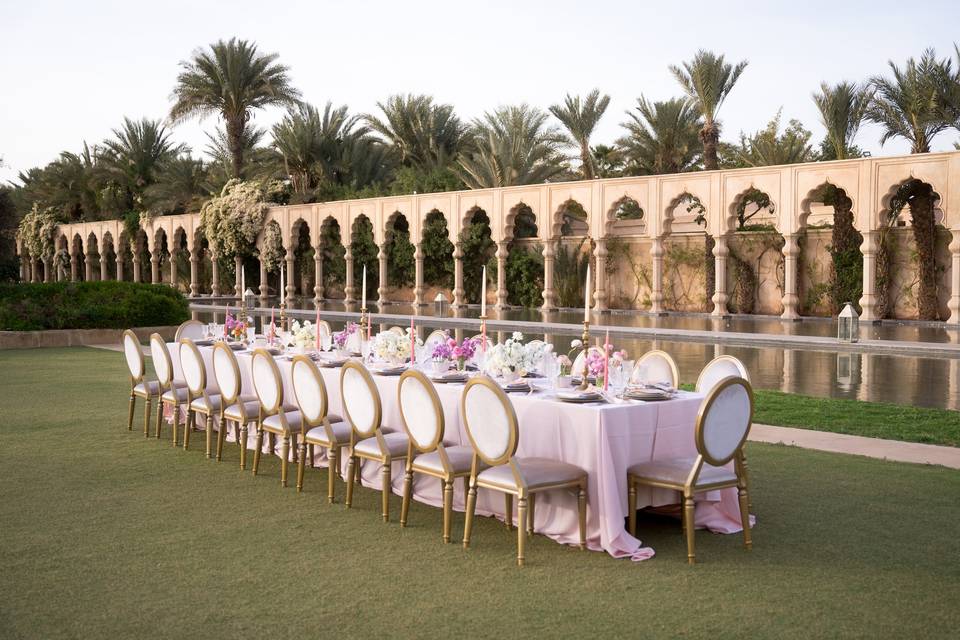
(656, 366)
(317, 429)
(423, 421)
(140, 387)
(276, 419)
(193, 329)
(240, 410)
(363, 411)
(172, 392)
(492, 428)
(723, 424)
(199, 400)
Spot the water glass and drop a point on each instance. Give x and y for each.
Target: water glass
(325, 340)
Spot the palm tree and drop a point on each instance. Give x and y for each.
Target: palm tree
(181, 186)
(510, 146)
(580, 119)
(769, 146)
(257, 160)
(608, 160)
(708, 80)
(843, 107)
(908, 104)
(134, 155)
(425, 135)
(663, 138)
(231, 79)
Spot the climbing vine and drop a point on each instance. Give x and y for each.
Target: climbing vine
(401, 263)
(37, 229)
(437, 252)
(570, 270)
(232, 221)
(846, 279)
(525, 277)
(920, 198)
(272, 251)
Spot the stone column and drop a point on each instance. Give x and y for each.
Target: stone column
(656, 296)
(549, 297)
(48, 269)
(136, 267)
(418, 277)
(119, 267)
(868, 301)
(954, 304)
(195, 273)
(155, 267)
(88, 267)
(318, 276)
(264, 287)
(74, 268)
(457, 301)
(600, 276)
(104, 271)
(238, 276)
(173, 267)
(349, 291)
(791, 249)
(290, 274)
(502, 253)
(720, 253)
(382, 289)
(214, 275)
(24, 268)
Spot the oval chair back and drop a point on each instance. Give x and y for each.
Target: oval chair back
(193, 329)
(309, 390)
(226, 371)
(361, 399)
(134, 357)
(436, 337)
(577, 367)
(194, 373)
(420, 410)
(162, 362)
(323, 329)
(719, 368)
(355, 341)
(478, 350)
(398, 330)
(490, 420)
(656, 366)
(267, 383)
(724, 420)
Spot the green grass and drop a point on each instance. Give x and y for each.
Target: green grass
(109, 535)
(871, 419)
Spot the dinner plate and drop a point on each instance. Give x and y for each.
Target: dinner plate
(390, 371)
(450, 378)
(203, 343)
(579, 398)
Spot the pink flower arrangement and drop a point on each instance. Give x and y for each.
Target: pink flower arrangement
(451, 350)
(595, 362)
(235, 328)
(340, 338)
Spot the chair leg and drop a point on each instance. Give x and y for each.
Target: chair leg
(582, 505)
(521, 534)
(176, 424)
(300, 464)
(146, 418)
(243, 446)
(632, 506)
(744, 496)
(508, 511)
(745, 475)
(272, 439)
(133, 404)
(188, 427)
(385, 489)
(531, 510)
(284, 454)
(333, 467)
(468, 522)
(208, 434)
(447, 509)
(407, 490)
(259, 448)
(351, 473)
(159, 418)
(688, 519)
(313, 456)
(221, 434)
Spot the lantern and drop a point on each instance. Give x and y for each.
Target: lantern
(440, 302)
(848, 324)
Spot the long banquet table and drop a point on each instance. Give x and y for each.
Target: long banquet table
(603, 439)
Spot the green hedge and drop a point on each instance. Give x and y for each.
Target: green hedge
(89, 305)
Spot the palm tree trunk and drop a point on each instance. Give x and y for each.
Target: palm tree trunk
(235, 141)
(587, 161)
(710, 136)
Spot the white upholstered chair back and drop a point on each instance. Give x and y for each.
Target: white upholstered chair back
(133, 355)
(656, 366)
(266, 382)
(360, 398)
(436, 337)
(719, 368)
(354, 341)
(226, 371)
(323, 329)
(490, 420)
(162, 363)
(577, 368)
(398, 330)
(421, 410)
(724, 420)
(191, 362)
(193, 329)
(309, 390)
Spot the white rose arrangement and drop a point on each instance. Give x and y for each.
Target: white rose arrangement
(511, 358)
(302, 335)
(391, 346)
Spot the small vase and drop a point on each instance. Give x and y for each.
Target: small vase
(461, 364)
(439, 367)
(510, 376)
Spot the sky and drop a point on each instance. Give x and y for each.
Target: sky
(71, 71)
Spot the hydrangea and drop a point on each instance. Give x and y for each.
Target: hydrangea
(302, 335)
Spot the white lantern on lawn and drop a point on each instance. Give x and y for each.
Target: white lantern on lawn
(848, 324)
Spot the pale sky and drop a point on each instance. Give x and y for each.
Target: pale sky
(70, 71)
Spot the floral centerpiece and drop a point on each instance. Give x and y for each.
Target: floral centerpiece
(236, 328)
(302, 336)
(510, 359)
(342, 338)
(391, 346)
(449, 349)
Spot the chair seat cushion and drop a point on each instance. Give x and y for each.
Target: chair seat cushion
(201, 404)
(273, 423)
(178, 394)
(234, 411)
(396, 445)
(461, 457)
(537, 472)
(179, 384)
(318, 435)
(150, 387)
(676, 471)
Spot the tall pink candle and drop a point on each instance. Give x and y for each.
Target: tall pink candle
(606, 361)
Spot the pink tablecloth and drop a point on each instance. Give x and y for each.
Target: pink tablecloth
(604, 440)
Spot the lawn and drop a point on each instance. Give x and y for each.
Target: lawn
(107, 534)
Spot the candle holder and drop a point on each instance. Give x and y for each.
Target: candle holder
(585, 338)
(283, 316)
(364, 321)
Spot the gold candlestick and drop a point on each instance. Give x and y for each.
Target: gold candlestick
(585, 338)
(364, 320)
(283, 316)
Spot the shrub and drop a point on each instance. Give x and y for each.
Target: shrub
(89, 305)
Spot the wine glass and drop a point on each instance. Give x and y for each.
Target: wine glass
(325, 340)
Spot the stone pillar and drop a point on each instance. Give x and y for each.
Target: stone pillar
(418, 277)
(119, 267)
(791, 249)
(238, 277)
(868, 301)
(214, 275)
(24, 268)
(954, 304)
(195, 273)
(549, 297)
(502, 253)
(720, 253)
(136, 267)
(349, 291)
(264, 287)
(318, 276)
(656, 296)
(104, 271)
(457, 301)
(600, 276)
(48, 269)
(173, 267)
(155, 267)
(88, 267)
(290, 275)
(74, 268)
(382, 289)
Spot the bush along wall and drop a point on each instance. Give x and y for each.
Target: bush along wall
(89, 305)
